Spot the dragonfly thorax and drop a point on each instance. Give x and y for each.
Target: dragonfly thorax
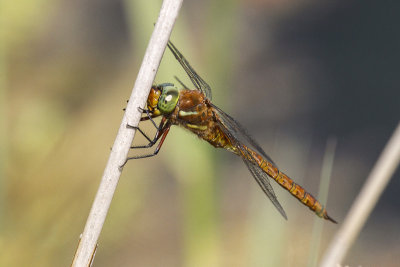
(168, 98)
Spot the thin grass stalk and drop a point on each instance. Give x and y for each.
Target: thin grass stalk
(88, 243)
(326, 172)
(365, 202)
(3, 123)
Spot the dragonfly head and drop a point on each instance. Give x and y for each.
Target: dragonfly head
(152, 100)
(168, 98)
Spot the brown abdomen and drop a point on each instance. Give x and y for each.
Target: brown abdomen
(296, 190)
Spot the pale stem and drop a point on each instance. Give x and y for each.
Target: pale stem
(87, 246)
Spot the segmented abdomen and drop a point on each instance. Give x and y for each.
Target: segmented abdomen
(296, 190)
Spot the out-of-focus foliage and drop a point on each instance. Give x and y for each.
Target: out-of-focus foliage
(294, 73)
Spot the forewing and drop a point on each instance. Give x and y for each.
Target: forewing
(197, 81)
(240, 132)
(263, 181)
(179, 81)
(233, 130)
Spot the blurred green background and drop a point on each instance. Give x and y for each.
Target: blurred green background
(295, 73)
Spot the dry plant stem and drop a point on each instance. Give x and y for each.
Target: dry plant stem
(151, 61)
(365, 202)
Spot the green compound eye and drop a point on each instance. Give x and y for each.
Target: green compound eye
(168, 99)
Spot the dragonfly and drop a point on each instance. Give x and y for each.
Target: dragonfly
(193, 110)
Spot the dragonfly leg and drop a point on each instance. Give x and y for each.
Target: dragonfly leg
(157, 136)
(163, 135)
(148, 117)
(151, 142)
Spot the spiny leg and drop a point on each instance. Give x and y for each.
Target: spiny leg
(152, 142)
(158, 127)
(148, 117)
(163, 134)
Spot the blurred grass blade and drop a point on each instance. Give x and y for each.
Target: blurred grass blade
(3, 123)
(365, 201)
(326, 173)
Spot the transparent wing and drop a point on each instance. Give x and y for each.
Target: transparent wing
(263, 181)
(197, 81)
(236, 132)
(179, 81)
(240, 132)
